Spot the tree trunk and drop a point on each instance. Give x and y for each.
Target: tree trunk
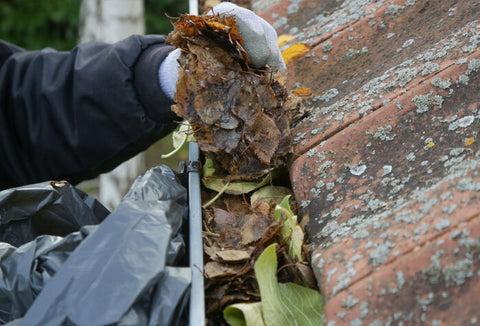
(110, 21)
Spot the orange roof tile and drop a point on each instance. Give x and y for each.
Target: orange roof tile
(387, 163)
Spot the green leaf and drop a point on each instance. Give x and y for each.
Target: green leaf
(236, 187)
(270, 193)
(211, 201)
(296, 242)
(285, 303)
(290, 230)
(180, 137)
(183, 134)
(218, 183)
(208, 169)
(244, 314)
(286, 208)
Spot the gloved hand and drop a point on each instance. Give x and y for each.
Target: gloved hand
(260, 38)
(260, 42)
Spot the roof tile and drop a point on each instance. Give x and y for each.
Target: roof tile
(387, 164)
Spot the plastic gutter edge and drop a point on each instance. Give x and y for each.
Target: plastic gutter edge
(197, 295)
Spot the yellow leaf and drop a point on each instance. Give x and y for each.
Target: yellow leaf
(469, 141)
(302, 91)
(284, 39)
(430, 144)
(294, 52)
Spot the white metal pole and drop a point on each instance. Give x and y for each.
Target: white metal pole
(197, 296)
(193, 7)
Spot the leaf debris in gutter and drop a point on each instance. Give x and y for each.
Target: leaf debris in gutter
(241, 119)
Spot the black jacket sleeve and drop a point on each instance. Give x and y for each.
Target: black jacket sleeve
(72, 115)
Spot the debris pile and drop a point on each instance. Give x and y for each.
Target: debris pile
(239, 115)
(237, 233)
(240, 118)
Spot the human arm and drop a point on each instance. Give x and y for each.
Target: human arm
(72, 115)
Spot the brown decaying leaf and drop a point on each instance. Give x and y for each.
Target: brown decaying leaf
(215, 269)
(233, 256)
(223, 220)
(252, 229)
(239, 114)
(228, 255)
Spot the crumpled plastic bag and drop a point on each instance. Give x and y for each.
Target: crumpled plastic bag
(70, 270)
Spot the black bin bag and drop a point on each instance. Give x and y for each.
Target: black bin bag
(81, 265)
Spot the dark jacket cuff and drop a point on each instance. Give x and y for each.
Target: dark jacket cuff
(156, 103)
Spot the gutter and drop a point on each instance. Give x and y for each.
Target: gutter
(197, 295)
(196, 314)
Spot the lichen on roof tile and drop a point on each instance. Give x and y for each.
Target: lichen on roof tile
(388, 165)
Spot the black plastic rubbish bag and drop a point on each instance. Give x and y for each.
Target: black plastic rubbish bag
(53, 208)
(127, 270)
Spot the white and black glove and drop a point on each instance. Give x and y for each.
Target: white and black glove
(259, 40)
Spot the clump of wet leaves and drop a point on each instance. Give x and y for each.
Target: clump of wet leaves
(240, 115)
(240, 118)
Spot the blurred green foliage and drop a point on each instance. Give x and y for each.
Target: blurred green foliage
(156, 12)
(35, 24)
